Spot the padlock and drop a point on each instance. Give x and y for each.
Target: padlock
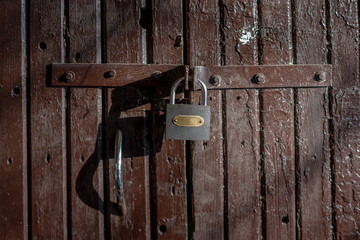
(185, 121)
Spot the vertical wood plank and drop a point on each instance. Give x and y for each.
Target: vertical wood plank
(13, 162)
(239, 26)
(313, 170)
(312, 140)
(239, 29)
(203, 33)
(126, 42)
(346, 108)
(278, 124)
(207, 156)
(279, 165)
(48, 130)
(242, 136)
(86, 180)
(208, 175)
(170, 177)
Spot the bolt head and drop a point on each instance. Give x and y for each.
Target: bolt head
(259, 78)
(69, 76)
(157, 74)
(215, 80)
(112, 73)
(320, 76)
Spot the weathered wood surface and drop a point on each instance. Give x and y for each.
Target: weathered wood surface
(345, 106)
(207, 156)
(168, 164)
(127, 112)
(242, 134)
(313, 190)
(86, 198)
(207, 163)
(13, 120)
(309, 169)
(313, 164)
(49, 216)
(243, 164)
(277, 119)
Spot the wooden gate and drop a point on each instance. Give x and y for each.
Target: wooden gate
(281, 163)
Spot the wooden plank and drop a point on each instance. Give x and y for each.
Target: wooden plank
(278, 161)
(243, 161)
(86, 174)
(312, 140)
(48, 130)
(345, 106)
(169, 199)
(125, 43)
(278, 125)
(207, 156)
(207, 159)
(239, 26)
(242, 138)
(13, 167)
(313, 167)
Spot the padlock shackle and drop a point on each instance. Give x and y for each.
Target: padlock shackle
(177, 83)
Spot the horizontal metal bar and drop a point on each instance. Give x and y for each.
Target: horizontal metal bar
(215, 77)
(115, 75)
(265, 76)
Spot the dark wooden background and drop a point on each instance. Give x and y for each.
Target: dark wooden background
(281, 163)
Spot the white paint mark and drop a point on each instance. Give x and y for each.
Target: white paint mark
(245, 37)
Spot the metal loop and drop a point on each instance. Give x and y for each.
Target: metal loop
(118, 174)
(177, 83)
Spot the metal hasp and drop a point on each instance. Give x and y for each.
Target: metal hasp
(214, 77)
(187, 122)
(118, 174)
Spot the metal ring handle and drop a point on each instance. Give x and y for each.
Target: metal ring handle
(118, 174)
(177, 83)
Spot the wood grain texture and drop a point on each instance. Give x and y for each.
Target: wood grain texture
(278, 124)
(86, 172)
(125, 43)
(312, 140)
(345, 59)
(207, 158)
(279, 163)
(132, 121)
(275, 32)
(239, 26)
(48, 130)
(203, 33)
(313, 167)
(243, 161)
(310, 28)
(239, 29)
(170, 175)
(13, 120)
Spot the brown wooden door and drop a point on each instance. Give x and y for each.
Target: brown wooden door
(282, 163)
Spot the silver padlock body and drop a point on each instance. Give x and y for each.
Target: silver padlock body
(187, 133)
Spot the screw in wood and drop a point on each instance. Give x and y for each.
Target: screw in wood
(320, 76)
(259, 78)
(215, 80)
(69, 76)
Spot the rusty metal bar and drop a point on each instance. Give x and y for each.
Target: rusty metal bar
(115, 75)
(214, 77)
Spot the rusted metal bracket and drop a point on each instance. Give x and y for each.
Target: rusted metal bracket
(215, 77)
